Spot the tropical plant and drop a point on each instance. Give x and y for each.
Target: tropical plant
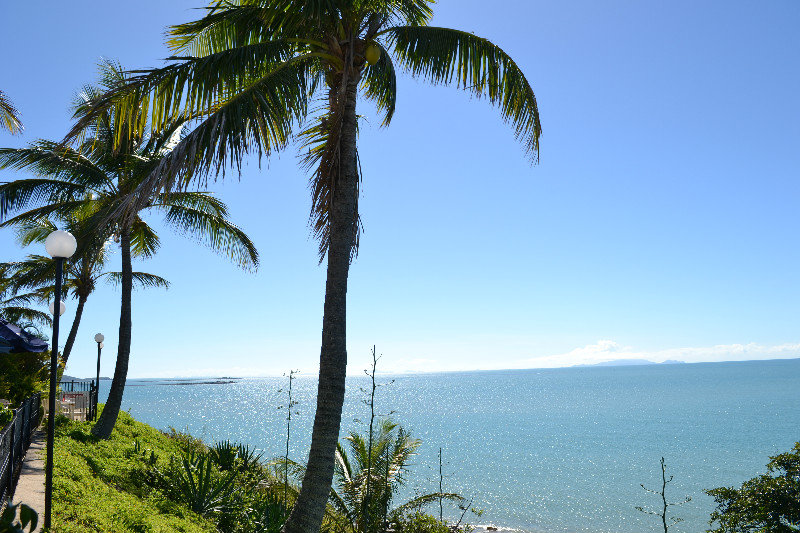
(16, 307)
(9, 116)
(255, 74)
(194, 480)
(96, 177)
(231, 456)
(768, 503)
(82, 271)
(362, 498)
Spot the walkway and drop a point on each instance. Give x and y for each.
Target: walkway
(30, 487)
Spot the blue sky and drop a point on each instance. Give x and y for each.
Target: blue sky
(660, 222)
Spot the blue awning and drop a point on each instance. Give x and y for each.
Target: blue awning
(14, 340)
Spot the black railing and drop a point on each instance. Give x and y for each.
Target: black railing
(14, 441)
(83, 386)
(76, 386)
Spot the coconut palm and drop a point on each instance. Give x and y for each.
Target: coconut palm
(90, 181)
(255, 74)
(9, 116)
(82, 271)
(368, 478)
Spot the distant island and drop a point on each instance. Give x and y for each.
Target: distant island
(633, 362)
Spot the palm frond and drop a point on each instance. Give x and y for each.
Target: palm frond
(216, 232)
(47, 158)
(380, 85)
(259, 118)
(9, 115)
(36, 230)
(443, 55)
(142, 279)
(19, 314)
(19, 194)
(421, 501)
(144, 240)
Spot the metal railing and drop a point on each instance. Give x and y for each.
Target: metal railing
(15, 439)
(83, 386)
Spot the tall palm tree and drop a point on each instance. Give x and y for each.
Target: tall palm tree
(82, 271)
(253, 75)
(93, 179)
(9, 116)
(367, 480)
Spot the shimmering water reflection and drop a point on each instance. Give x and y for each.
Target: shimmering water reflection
(560, 450)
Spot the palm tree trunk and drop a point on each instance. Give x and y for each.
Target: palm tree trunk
(309, 508)
(73, 332)
(110, 412)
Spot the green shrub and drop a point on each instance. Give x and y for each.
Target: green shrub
(420, 523)
(6, 416)
(23, 374)
(194, 481)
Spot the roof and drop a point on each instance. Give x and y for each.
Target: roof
(14, 339)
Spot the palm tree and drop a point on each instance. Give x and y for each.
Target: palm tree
(92, 180)
(82, 271)
(368, 478)
(248, 74)
(9, 116)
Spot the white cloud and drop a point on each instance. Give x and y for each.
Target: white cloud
(608, 350)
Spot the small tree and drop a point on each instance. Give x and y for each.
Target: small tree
(289, 406)
(666, 522)
(769, 503)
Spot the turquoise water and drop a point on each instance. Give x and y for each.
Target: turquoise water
(561, 450)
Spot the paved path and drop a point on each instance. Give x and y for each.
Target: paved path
(30, 487)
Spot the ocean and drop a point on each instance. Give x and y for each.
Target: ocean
(555, 451)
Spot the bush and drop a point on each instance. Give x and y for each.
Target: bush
(23, 374)
(6, 416)
(769, 503)
(420, 523)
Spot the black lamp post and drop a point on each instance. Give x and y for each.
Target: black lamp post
(60, 245)
(99, 338)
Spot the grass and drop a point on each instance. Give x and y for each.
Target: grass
(97, 483)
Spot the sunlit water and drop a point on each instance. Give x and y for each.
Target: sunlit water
(561, 450)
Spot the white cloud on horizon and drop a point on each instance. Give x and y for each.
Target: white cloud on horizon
(608, 350)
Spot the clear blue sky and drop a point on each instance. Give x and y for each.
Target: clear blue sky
(660, 223)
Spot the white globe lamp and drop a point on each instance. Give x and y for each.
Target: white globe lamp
(61, 308)
(60, 244)
(99, 338)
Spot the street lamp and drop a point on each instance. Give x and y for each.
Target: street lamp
(60, 245)
(99, 338)
(61, 308)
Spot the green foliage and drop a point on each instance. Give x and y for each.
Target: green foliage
(194, 481)
(359, 507)
(23, 374)
(28, 519)
(9, 115)
(769, 503)
(6, 416)
(418, 522)
(98, 485)
(230, 456)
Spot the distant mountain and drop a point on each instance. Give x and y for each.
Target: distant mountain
(633, 362)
